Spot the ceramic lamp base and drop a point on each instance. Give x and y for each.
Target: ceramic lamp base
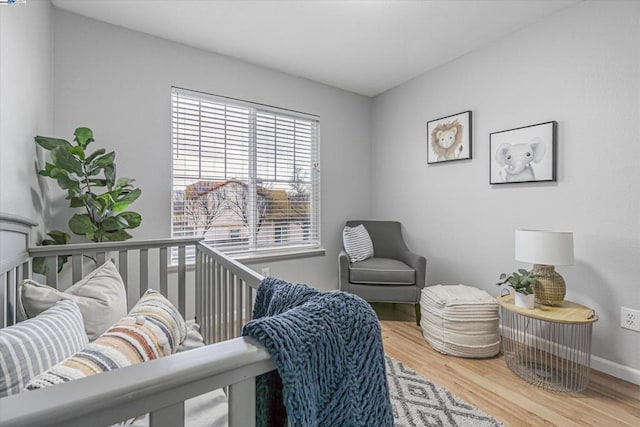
(550, 288)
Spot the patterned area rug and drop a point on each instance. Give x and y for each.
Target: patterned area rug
(418, 402)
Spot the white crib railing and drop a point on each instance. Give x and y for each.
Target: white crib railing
(158, 387)
(223, 295)
(226, 295)
(140, 270)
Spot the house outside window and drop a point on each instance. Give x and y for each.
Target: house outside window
(280, 233)
(245, 176)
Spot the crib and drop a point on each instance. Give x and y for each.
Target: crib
(219, 292)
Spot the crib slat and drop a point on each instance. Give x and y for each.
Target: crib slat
(182, 282)
(52, 271)
(144, 271)
(237, 283)
(12, 296)
(217, 308)
(225, 306)
(199, 283)
(230, 315)
(101, 257)
(26, 270)
(164, 273)
(242, 403)
(248, 306)
(4, 322)
(76, 268)
(206, 298)
(204, 321)
(171, 416)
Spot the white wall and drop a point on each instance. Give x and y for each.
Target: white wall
(118, 83)
(26, 102)
(581, 68)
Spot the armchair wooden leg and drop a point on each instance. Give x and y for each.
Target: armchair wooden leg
(418, 314)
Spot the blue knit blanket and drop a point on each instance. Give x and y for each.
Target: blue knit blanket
(327, 348)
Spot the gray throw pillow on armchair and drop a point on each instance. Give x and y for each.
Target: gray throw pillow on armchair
(357, 243)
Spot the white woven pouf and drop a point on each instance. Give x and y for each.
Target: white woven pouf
(460, 320)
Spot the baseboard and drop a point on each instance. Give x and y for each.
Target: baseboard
(617, 370)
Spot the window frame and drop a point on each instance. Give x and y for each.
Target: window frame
(253, 250)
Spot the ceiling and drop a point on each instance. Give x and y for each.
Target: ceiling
(363, 46)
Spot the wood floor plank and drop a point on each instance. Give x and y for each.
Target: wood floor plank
(489, 384)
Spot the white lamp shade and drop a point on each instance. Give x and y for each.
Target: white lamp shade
(544, 247)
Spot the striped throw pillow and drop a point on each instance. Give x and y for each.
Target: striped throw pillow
(153, 328)
(37, 344)
(357, 243)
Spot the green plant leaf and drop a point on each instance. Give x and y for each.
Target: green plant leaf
(39, 265)
(51, 143)
(65, 180)
(523, 271)
(83, 136)
(93, 204)
(117, 236)
(63, 159)
(93, 171)
(124, 182)
(59, 237)
(98, 182)
(125, 200)
(81, 224)
(95, 154)
(131, 196)
(110, 175)
(76, 202)
(133, 218)
(115, 223)
(48, 167)
(104, 161)
(62, 260)
(105, 199)
(76, 151)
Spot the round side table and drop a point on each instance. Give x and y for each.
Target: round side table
(547, 346)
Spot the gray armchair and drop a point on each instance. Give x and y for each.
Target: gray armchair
(395, 274)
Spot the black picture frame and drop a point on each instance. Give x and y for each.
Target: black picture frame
(523, 154)
(455, 139)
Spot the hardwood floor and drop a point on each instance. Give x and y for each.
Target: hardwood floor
(492, 387)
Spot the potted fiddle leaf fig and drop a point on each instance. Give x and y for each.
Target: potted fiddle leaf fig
(522, 283)
(91, 184)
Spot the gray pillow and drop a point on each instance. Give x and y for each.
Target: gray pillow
(35, 345)
(101, 297)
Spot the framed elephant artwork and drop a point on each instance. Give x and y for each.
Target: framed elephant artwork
(449, 138)
(525, 154)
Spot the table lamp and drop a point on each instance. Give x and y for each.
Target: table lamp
(545, 250)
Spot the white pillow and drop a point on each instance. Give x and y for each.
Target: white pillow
(193, 338)
(101, 297)
(357, 243)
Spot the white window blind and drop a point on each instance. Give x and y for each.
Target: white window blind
(244, 176)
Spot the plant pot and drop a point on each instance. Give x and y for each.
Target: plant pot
(525, 301)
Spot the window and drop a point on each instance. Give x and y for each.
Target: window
(244, 176)
(280, 233)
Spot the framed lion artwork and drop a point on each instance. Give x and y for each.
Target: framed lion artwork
(449, 138)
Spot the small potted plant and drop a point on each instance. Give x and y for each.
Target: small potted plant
(522, 282)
